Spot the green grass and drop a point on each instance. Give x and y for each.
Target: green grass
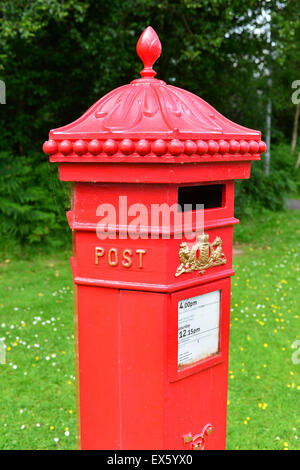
(263, 411)
(37, 382)
(37, 387)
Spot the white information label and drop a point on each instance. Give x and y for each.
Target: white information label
(198, 327)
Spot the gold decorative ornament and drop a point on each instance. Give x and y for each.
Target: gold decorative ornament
(201, 256)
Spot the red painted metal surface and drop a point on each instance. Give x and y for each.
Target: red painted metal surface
(145, 142)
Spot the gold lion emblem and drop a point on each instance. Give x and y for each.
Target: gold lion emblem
(201, 256)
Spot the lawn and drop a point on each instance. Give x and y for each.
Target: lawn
(264, 361)
(37, 386)
(37, 409)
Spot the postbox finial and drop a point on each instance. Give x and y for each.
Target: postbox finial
(148, 49)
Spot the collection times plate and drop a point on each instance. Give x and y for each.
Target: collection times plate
(198, 328)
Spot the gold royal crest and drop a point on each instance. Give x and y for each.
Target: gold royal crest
(201, 256)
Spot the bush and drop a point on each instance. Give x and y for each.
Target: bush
(32, 201)
(269, 192)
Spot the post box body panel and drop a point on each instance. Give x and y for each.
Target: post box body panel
(160, 173)
(148, 259)
(132, 400)
(151, 264)
(88, 197)
(128, 326)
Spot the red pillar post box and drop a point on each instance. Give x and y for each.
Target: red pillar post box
(152, 293)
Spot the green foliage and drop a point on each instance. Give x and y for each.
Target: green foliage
(32, 200)
(268, 192)
(209, 48)
(282, 160)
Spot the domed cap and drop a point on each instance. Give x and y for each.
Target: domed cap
(149, 118)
